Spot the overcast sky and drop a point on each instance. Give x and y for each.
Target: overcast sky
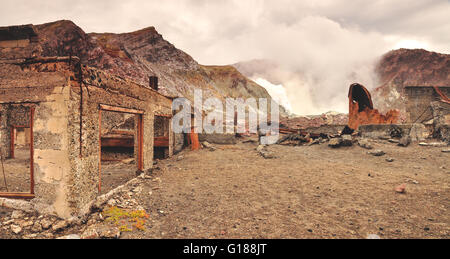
(324, 36)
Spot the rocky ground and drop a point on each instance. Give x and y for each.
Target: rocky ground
(280, 191)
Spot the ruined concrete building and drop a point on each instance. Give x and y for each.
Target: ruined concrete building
(60, 102)
(430, 106)
(427, 113)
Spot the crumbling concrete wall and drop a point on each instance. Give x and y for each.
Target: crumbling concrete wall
(217, 138)
(417, 131)
(51, 153)
(23, 86)
(381, 130)
(441, 120)
(418, 104)
(19, 42)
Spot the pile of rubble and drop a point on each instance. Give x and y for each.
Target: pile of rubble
(346, 138)
(96, 224)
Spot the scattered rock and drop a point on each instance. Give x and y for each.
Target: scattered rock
(71, 236)
(395, 141)
(46, 223)
(90, 233)
(17, 214)
(446, 150)
(260, 148)
(108, 232)
(48, 235)
(389, 160)
(433, 144)
(401, 188)
(267, 155)
(364, 143)
(377, 153)
(16, 229)
(60, 226)
(208, 146)
(128, 161)
(335, 142)
(314, 142)
(347, 141)
(179, 158)
(373, 236)
(412, 181)
(137, 189)
(37, 227)
(405, 141)
(30, 236)
(111, 202)
(26, 224)
(7, 222)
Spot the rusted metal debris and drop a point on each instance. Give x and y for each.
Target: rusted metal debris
(444, 98)
(361, 111)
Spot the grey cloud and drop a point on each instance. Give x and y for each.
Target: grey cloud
(323, 45)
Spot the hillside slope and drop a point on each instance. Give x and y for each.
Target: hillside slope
(137, 55)
(408, 67)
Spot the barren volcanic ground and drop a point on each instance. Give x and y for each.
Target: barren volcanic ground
(307, 192)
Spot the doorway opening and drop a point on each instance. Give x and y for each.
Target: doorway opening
(161, 139)
(121, 150)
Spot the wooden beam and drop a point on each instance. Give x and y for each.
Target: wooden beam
(106, 107)
(161, 142)
(117, 142)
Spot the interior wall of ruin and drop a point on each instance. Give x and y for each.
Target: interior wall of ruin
(418, 103)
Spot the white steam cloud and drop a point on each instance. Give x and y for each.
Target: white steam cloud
(278, 92)
(322, 46)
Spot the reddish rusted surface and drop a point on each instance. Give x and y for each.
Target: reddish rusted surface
(361, 111)
(193, 140)
(118, 141)
(444, 98)
(161, 142)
